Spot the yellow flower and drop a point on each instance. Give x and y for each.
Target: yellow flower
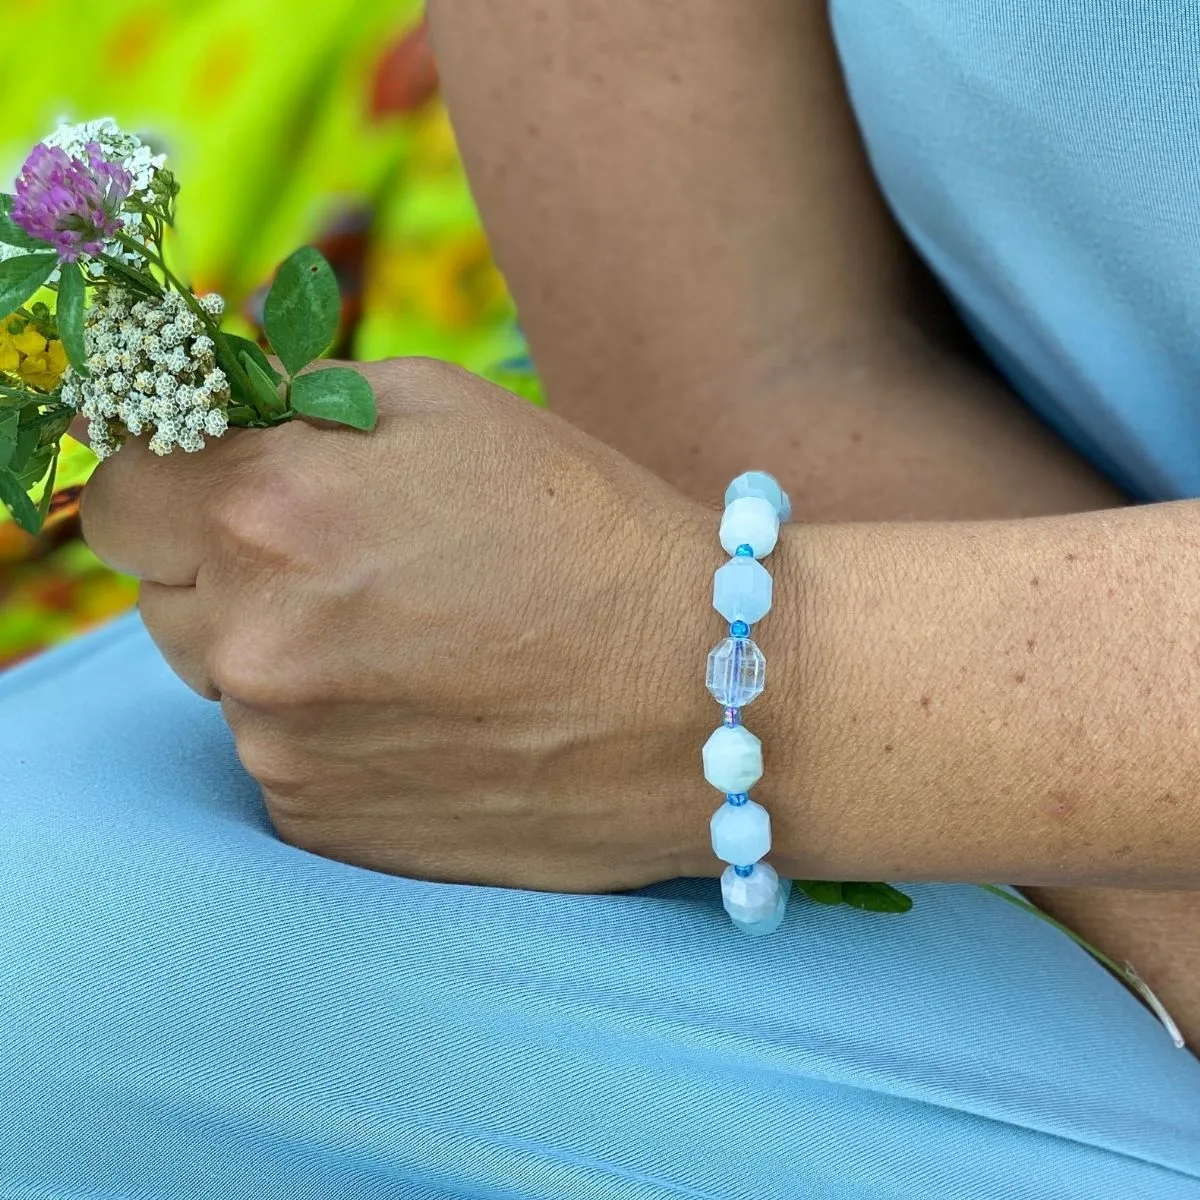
(45, 368)
(10, 356)
(37, 361)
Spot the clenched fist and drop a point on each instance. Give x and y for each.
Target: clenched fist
(468, 646)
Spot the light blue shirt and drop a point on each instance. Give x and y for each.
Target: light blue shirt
(1044, 157)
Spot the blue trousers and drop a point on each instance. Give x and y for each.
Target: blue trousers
(191, 1008)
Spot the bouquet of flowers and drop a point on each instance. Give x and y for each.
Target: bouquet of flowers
(95, 323)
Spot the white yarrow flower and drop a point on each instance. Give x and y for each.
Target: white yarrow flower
(177, 395)
(134, 155)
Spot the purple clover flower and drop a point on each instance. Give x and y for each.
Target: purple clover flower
(74, 204)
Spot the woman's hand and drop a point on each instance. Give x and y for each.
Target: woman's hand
(466, 647)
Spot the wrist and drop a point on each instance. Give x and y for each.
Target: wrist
(688, 627)
(686, 715)
(820, 828)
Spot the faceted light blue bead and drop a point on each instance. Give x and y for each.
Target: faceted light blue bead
(741, 834)
(770, 924)
(751, 898)
(750, 525)
(742, 590)
(759, 483)
(736, 672)
(732, 759)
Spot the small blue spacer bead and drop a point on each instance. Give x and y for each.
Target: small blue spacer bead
(732, 717)
(742, 872)
(744, 551)
(737, 799)
(739, 629)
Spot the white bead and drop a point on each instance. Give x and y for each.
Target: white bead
(733, 759)
(741, 833)
(750, 521)
(753, 897)
(759, 483)
(742, 590)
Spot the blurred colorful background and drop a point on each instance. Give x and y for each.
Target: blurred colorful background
(333, 135)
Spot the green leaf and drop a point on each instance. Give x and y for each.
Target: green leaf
(29, 433)
(266, 390)
(144, 285)
(8, 436)
(243, 346)
(300, 314)
(11, 234)
(823, 891)
(335, 394)
(69, 313)
(48, 491)
(876, 897)
(19, 397)
(20, 277)
(13, 496)
(35, 468)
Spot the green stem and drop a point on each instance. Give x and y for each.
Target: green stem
(147, 283)
(1126, 974)
(214, 330)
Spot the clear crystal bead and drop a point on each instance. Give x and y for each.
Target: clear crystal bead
(742, 590)
(736, 672)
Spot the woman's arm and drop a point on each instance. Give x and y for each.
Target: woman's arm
(707, 274)
(1006, 700)
(617, 234)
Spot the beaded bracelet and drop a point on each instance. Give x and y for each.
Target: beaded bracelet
(753, 894)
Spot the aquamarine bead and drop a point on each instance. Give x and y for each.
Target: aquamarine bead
(742, 590)
(762, 927)
(759, 483)
(736, 672)
(741, 834)
(750, 521)
(733, 759)
(751, 898)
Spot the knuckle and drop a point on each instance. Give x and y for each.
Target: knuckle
(94, 507)
(424, 384)
(268, 759)
(254, 667)
(258, 518)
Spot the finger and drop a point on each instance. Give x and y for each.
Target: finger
(79, 430)
(181, 626)
(144, 515)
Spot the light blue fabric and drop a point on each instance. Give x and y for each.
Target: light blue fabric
(190, 1008)
(1044, 156)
